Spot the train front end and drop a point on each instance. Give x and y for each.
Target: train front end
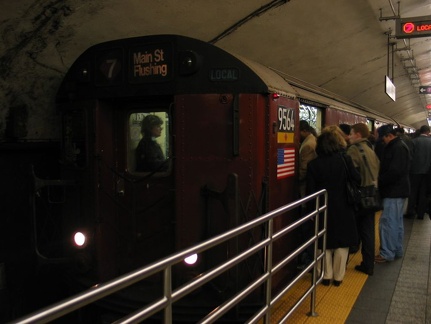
(172, 141)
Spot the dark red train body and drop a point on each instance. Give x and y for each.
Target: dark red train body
(230, 139)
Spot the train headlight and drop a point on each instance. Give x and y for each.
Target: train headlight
(189, 62)
(80, 239)
(191, 259)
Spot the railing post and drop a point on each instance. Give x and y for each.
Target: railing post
(268, 296)
(316, 248)
(167, 290)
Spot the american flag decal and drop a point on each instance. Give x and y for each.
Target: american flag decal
(285, 162)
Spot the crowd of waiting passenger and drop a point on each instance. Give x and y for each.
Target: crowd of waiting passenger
(398, 164)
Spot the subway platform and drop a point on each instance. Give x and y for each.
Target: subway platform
(398, 292)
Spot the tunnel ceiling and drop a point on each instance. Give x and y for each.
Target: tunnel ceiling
(340, 45)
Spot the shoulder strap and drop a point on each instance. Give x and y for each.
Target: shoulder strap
(345, 167)
(365, 159)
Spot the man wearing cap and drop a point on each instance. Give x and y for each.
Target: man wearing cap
(394, 187)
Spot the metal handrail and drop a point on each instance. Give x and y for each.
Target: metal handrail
(171, 296)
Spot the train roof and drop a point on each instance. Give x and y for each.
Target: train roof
(320, 97)
(174, 64)
(164, 65)
(274, 81)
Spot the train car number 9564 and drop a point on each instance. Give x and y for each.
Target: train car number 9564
(286, 119)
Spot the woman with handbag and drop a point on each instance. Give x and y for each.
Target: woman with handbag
(331, 170)
(367, 162)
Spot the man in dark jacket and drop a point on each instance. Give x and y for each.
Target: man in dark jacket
(394, 186)
(421, 163)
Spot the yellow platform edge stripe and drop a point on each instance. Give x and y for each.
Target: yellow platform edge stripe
(333, 304)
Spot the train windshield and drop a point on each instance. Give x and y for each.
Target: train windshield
(148, 147)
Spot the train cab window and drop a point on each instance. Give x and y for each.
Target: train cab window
(148, 145)
(74, 138)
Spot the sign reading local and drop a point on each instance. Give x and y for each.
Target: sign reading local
(224, 74)
(413, 27)
(152, 63)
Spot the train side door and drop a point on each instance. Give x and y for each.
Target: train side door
(283, 160)
(284, 145)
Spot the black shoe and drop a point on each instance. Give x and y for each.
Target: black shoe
(362, 269)
(326, 282)
(337, 283)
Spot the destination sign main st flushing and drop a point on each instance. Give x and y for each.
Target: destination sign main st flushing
(413, 27)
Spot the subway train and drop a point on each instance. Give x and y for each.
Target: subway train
(168, 141)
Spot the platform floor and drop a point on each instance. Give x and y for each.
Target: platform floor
(398, 292)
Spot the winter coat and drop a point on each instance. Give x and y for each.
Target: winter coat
(394, 170)
(421, 155)
(149, 156)
(329, 172)
(307, 152)
(367, 178)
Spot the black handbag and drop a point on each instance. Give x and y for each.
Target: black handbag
(354, 195)
(370, 195)
(370, 199)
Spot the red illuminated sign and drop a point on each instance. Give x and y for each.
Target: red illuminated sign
(413, 27)
(409, 28)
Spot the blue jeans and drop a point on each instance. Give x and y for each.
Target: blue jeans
(391, 228)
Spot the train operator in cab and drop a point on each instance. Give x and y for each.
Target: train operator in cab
(149, 154)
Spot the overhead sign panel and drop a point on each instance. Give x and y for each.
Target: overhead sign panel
(413, 27)
(390, 88)
(424, 89)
